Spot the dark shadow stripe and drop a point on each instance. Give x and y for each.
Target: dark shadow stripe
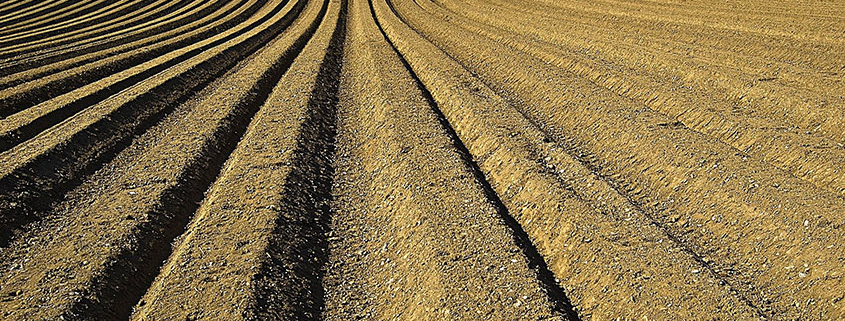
(126, 279)
(290, 282)
(555, 292)
(29, 193)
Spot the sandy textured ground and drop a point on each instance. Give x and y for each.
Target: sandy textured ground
(422, 160)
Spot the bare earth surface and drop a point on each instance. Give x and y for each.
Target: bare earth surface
(422, 160)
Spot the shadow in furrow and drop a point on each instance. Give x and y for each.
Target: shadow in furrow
(30, 192)
(118, 14)
(536, 262)
(22, 101)
(621, 187)
(12, 8)
(116, 291)
(298, 248)
(63, 8)
(25, 59)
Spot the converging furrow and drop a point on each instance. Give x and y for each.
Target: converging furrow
(422, 160)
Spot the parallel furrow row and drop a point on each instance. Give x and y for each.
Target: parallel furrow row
(33, 54)
(183, 21)
(722, 205)
(141, 203)
(422, 160)
(68, 12)
(270, 204)
(43, 168)
(43, 8)
(51, 36)
(817, 160)
(412, 224)
(804, 98)
(113, 12)
(526, 169)
(104, 77)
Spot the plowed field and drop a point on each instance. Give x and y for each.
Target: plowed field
(422, 160)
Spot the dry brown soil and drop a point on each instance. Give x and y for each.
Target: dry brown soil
(422, 160)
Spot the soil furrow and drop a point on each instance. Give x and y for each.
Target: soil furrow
(728, 223)
(44, 168)
(409, 213)
(28, 123)
(11, 7)
(119, 72)
(66, 39)
(26, 54)
(157, 30)
(792, 151)
(660, 32)
(127, 11)
(811, 107)
(422, 160)
(195, 143)
(745, 16)
(42, 50)
(521, 237)
(274, 186)
(513, 152)
(78, 8)
(99, 11)
(34, 11)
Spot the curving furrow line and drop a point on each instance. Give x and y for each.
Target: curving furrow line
(67, 12)
(63, 21)
(107, 16)
(111, 43)
(801, 155)
(11, 5)
(35, 99)
(419, 159)
(804, 98)
(409, 213)
(195, 140)
(42, 169)
(538, 183)
(27, 45)
(32, 10)
(738, 203)
(274, 185)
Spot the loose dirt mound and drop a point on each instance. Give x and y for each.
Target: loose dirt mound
(422, 160)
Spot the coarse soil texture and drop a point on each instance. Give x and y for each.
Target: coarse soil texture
(422, 160)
